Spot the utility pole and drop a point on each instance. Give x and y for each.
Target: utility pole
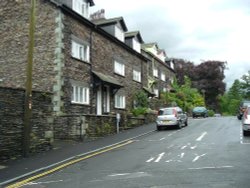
(28, 91)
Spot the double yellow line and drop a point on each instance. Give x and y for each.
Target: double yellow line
(25, 181)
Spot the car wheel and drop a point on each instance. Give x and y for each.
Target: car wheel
(186, 123)
(178, 125)
(245, 133)
(158, 128)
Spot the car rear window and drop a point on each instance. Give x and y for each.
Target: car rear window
(245, 104)
(166, 111)
(199, 108)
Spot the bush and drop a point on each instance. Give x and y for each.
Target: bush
(139, 111)
(211, 113)
(141, 100)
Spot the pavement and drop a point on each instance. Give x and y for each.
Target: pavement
(63, 152)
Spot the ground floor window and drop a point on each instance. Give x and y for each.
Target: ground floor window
(119, 101)
(80, 95)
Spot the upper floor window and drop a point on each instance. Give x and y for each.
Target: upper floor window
(119, 34)
(156, 92)
(163, 77)
(81, 7)
(119, 68)
(80, 51)
(155, 72)
(120, 101)
(136, 46)
(80, 95)
(137, 75)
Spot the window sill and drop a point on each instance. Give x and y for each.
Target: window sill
(81, 60)
(139, 82)
(120, 108)
(80, 104)
(120, 75)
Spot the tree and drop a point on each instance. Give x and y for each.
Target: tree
(230, 101)
(246, 85)
(207, 77)
(184, 96)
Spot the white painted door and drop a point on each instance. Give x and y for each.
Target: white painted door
(99, 101)
(106, 99)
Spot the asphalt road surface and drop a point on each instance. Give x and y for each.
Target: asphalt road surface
(210, 152)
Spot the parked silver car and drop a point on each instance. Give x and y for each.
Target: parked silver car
(171, 117)
(246, 122)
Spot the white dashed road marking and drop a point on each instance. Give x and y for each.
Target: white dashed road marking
(201, 137)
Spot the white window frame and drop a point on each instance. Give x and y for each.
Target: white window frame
(136, 75)
(163, 77)
(155, 72)
(156, 92)
(120, 101)
(119, 68)
(119, 33)
(80, 95)
(81, 7)
(80, 51)
(136, 45)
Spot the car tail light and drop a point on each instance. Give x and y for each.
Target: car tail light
(175, 112)
(245, 114)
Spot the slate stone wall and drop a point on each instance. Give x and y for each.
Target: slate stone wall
(14, 34)
(11, 122)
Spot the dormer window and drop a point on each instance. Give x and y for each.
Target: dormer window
(136, 46)
(81, 7)
(119, 34)
(163, 77)
(155, 72)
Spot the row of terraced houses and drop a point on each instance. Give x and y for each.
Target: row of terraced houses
(86, 69)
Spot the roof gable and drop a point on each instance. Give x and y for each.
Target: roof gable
(134, 34)
(112, 21)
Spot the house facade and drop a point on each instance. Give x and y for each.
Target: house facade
(85, 71)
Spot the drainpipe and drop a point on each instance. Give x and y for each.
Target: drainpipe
(28, 91)
(90, 72)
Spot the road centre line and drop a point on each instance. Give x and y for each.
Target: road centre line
(201, 137)
(151, 159)
(211, 167)
(25, 181)
(159, 157)
(124, 174)
(197, 157)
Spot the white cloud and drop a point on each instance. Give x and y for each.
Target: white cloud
(194, 30)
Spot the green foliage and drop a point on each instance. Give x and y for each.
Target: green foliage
(139, 111)
(210, 113)
(230, 101)
(246, 85)
(184, 96)
(141, 100)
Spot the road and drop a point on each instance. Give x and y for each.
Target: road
(210, 152)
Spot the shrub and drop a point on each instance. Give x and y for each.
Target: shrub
(210, 113)
(139, 111)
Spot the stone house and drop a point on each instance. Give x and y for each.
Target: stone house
(84, 71)
(160, 73)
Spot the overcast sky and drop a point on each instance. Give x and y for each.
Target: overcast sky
(195, 30)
